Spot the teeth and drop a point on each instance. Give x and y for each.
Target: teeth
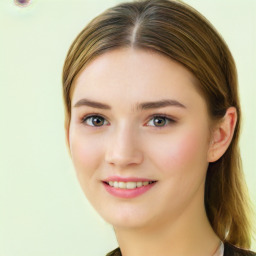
(129, 185)
(138, 184)
(121, 185)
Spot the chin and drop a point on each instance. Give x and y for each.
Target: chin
(127, 218)
(126, 223)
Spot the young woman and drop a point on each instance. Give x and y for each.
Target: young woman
(152, 124)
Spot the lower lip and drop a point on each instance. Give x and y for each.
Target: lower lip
(128, 193)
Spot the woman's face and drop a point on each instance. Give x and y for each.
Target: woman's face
(139, 138)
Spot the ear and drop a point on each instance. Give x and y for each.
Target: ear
(222, 135)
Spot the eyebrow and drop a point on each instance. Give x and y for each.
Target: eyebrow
(140, 106)
(90, 103)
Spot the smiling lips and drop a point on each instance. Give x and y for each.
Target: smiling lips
(127, 187)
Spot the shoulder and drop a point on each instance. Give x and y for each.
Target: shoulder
(231, 250)
(115, 252)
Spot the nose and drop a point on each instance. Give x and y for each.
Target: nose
(123, 148)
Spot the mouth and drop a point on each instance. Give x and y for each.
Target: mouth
(127, 187)
(129, 184)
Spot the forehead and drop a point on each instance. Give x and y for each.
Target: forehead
(127, 75)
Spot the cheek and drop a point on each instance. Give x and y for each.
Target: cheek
(182, 152)
(85, 152)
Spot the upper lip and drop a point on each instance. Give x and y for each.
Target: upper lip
(126, 179)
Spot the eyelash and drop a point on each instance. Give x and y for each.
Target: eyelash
(87, 117)
(169, 120)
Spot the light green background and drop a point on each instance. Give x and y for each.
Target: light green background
(42, 208)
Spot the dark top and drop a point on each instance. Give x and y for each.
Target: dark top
(229, 250)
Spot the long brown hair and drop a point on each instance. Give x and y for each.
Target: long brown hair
(180, 32)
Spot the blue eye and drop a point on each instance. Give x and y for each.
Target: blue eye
(160, 121)
(96, 121)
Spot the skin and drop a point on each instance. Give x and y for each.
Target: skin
(169, 219)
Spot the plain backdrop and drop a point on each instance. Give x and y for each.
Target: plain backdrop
(42, 208)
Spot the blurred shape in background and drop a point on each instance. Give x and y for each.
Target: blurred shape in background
(22, 3)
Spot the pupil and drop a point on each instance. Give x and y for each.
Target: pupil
(97, 121)
(159, 121)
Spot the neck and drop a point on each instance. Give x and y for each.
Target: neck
(188, 235)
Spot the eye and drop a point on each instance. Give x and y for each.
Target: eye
(160, 121)
(95, 120)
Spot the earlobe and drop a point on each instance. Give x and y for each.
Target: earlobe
(222, 135)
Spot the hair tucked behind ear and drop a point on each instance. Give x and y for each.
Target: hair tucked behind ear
(180, 32)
